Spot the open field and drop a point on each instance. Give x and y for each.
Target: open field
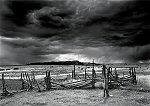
(83, 97)
(78, 98)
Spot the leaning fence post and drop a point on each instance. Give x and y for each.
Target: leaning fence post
(106, 92)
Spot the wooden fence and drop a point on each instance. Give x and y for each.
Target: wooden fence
(109, 77)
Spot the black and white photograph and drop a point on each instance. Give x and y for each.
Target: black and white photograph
(74, 52)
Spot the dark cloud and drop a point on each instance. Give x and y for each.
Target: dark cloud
(19, 9)
(56, 27)
(111, 54)
(51, 17)
(117, 23)
(23, 51)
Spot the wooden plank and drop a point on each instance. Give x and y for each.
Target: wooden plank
(62, 85)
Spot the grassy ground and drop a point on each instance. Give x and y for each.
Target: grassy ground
(92, 97)
(12, 85)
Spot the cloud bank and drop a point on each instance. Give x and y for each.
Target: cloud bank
(48, 30)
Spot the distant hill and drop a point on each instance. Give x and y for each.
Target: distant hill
(62, 63)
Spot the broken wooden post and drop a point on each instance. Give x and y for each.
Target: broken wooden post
(106, 92)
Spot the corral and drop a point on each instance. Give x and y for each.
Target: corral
(109, 78)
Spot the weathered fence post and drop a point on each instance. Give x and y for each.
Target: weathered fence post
(93, 76)
(116, 75)
(31, 85)
(48, 80)
(111, 69)
(85, 73)
(106, 92)
(22, 81)
(28, 81)
(108, 74)
(5, 92)
(25, 75)
(33, 77)
(130, 72)
(73, 72)
(134, 75)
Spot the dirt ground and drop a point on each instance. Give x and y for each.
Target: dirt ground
(93, 97)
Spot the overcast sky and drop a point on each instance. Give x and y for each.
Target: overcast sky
(109, 31)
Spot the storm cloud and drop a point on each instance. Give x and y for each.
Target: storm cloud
(49, 30)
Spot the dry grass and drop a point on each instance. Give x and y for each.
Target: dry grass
(93, 97)
(12, 85)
